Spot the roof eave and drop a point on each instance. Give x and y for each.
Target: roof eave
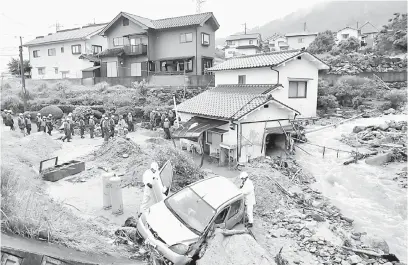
(211, 15)
(102, 32)
(51, 42)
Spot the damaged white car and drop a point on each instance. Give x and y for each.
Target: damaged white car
(175, 228)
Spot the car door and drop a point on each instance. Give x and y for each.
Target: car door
(235, 213)
(220, 219)
(163, 182)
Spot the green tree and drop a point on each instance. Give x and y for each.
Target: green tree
(324, 42)
(352, 44)
(393, 37)
(14, 66)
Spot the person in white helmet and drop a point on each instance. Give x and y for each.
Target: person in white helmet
(38, 122)
(247, 188)
(21, 123)
(148, 178)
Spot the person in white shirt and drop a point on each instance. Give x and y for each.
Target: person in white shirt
(148, 195)
(247, 188)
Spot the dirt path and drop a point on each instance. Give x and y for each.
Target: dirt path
(363, 192)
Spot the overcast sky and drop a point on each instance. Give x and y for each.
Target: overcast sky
(29, 18)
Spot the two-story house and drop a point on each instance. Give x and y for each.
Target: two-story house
(243, 44)
(300, 40)
(141, 47)
(66, 53)
(368, 32)
(277, 43)
(346, 33)
(250, 112)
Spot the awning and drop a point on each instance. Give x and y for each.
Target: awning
(175, 58)
(279, 130)
(90, 69)
(195, 126)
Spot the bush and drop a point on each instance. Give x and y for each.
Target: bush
(41, 87)
(371, 89)
(6, 86)
(61, 86)
(397, 98)
(344, 93)
(327, 102)
(102, 86)
(357, 101)
(54, 110)
(12, 102)
(185, 170)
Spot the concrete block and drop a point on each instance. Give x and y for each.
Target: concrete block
(379, 160)
(64, 170)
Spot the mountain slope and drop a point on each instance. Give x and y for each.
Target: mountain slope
(333, 16)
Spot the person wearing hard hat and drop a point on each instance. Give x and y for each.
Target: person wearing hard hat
(130, 122)
(112, 126)
(21, 123)
(152, 116)
(247, 188)
(82, 126)
(166, 127)
(102, 120)
(71, 123)
(67, 130)
(43, 124)
(9, 120)
(49, 124)
(3, 116)
(91, 126)
(148, 195)
(38, 122)
(27, 121)
(105, 128)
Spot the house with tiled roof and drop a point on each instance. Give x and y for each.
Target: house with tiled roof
(140, 47)
(252, 109)
(300, 40)
(242, 44)
(277, 42)
(66, 53)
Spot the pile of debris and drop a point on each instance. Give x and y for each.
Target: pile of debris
(236, 249)
(116, 150)
(402, 178)
(388, 136)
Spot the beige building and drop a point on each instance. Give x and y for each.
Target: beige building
(243, 44)
(300, 40)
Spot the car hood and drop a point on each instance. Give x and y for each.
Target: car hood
(167, 226)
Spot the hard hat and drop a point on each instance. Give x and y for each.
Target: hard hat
(113, 116)
(44, 117)
(166, 119)
(154, 166)
(91, 117)
(38, 114)
(50, 115)
(106, 117)
(243, 175)
(20, 114)
(130, 113)
(70, 114)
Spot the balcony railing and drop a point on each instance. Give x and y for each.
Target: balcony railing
(140, 49)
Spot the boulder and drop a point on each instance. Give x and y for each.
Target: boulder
(358, 129)
(383, 127)
(379, 160)
(375, 242)
(354, 259)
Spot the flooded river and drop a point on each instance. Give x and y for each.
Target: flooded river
(363, 192)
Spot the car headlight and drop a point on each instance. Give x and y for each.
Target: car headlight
(180, 249)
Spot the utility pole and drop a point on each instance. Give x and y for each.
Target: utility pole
(245, 27)
(304, 26)
(22, 74)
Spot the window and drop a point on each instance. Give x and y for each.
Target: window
(177, 65)
(186, 37)
(242, 79)
(206, 63)
(51, 52)
(112, 69)
(301, 40)
(251, 41)
(205, 39)
(118, 41)
(297, 89)
(62, 49)
(344, 36)
(125, 22)
(64, 74)
(209, 137)
(229, 42)
(76, 49)
(56, 70)
(152, 66)
(96, 49)
(221, 216)
(36, 54)
(234, 208)
(41, 70)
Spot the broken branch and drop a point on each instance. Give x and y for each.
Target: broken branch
(366, 252)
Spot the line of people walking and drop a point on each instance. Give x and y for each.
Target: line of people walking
(45, 124)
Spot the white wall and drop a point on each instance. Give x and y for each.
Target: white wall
(65, 61)
(237, 43)
(292, 69)
(351, 32)
(294, 43)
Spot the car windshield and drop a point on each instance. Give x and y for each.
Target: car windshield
(193, 211)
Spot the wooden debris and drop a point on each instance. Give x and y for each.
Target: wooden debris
(279, 259)
(359, 157)
(366, 252)
(226, 232)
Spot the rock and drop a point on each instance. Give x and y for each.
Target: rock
(354, 259)
(345, 262)
(358, 129)
(376, 243)
(312, 250)
(390, 111)
(317, 217)
(295, 190)
(379, 160)
(324, 254)
(383, 127)
(125, 155)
